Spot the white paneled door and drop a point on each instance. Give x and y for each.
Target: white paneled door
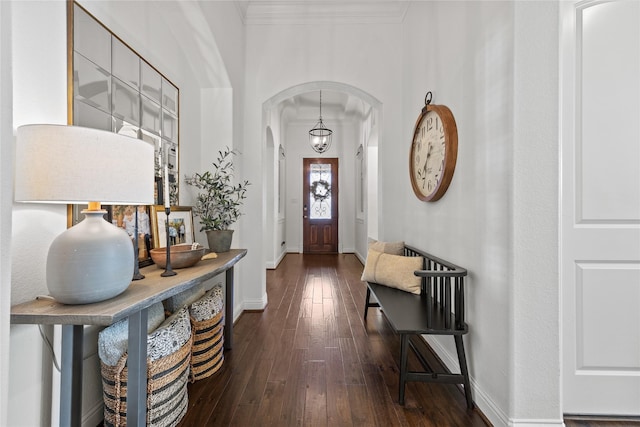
(600, 207)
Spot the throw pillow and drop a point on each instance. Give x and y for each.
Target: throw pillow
(209, 305)
(113, 341)
(174, 332)
(184, 298)
(393, 270)
(393, 248)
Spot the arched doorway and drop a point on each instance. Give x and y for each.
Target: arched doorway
(288, 116)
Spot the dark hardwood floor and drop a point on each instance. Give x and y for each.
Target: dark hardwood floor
(309, 360)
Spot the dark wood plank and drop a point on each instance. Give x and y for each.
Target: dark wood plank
(338, 410)
(292, 413)
(271, 405)
(315, 404)
(310, 360)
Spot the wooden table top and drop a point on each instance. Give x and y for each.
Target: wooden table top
(139, 295)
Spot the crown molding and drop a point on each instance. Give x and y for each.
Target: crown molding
(272, 12)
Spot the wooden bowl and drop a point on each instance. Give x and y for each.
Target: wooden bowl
(182, 256)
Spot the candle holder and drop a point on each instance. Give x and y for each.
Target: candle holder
(168, 271)
(136, 264)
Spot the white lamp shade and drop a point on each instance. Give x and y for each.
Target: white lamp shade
(73, 164)
(93, 260)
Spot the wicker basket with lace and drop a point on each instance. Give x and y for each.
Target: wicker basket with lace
(207, 324)
(168, 359)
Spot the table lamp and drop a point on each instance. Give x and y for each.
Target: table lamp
(93, 260)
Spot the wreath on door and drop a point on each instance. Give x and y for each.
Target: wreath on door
(321, 190)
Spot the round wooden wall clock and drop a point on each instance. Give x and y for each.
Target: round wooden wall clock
(434, 151)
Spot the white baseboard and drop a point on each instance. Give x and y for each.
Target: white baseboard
(272, 265)
(535, 423)
(496, 415)
(251, 304)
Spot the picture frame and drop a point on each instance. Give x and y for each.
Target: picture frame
(116, 215)
(180, 223)
(123, 216)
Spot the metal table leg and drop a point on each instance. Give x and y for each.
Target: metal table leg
(71, 376)
(137, 370)
(228, 310)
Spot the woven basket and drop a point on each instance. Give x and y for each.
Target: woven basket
(166, 389)
(207, 353)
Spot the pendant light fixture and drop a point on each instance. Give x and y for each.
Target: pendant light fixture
(320, 135)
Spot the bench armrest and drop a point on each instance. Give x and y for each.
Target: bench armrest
(460, 272)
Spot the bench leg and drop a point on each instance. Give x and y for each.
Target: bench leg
(366, 304)
(404, 341)
(462, 360)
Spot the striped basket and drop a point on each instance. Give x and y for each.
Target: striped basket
(167, 378)
(207, 325)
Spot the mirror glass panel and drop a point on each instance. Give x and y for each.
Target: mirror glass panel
(126, 102)
(91, 84)
(151, 82)
(91, 117)
(169, 96)
(126, 64)
(91, 39)
(115, 89)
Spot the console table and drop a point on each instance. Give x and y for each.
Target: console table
(132, 304)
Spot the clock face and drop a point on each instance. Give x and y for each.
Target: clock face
(428, 153)
(433, 153)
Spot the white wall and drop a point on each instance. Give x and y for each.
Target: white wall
(228, 44)
(471, 73)
(40, 96)
(6, 195)
(498, 218)
(275, 195)
(535, 325)
(161, 32)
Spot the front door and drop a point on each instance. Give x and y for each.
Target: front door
(320, 206)
(600, 222)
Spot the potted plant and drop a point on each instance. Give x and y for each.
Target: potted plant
(218, 204)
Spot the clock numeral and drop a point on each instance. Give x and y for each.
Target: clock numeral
(429, 123)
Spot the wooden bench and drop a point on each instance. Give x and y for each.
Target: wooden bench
(438, 310)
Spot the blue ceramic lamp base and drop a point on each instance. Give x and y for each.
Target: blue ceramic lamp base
(89, 262)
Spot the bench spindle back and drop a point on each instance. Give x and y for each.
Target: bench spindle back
(436, 284)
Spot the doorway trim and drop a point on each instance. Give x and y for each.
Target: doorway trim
(325, 229)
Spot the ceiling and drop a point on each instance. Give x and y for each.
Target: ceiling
(335, 106)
